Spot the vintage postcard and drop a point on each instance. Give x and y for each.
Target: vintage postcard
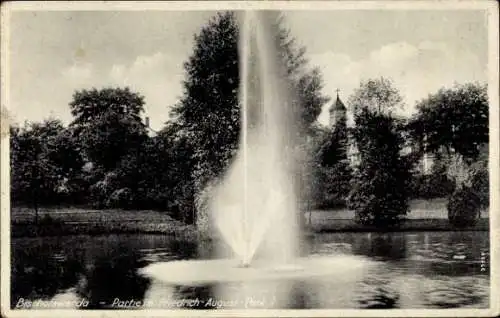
(211, 158)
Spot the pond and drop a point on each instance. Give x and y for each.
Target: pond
(413, 270)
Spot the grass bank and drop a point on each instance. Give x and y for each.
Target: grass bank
(423, 216)
(74, 221)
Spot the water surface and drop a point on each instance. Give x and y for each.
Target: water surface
(413, 270)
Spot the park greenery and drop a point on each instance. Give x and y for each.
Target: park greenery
(380, 184)
(107, 157)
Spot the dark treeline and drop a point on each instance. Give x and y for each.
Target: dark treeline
(108, 158)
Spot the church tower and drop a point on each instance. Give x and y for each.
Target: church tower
(337, 111)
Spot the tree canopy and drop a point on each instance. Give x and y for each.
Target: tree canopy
(378, 95)
(380, 187)
(107, 157)
(209, 110)
(107, 123)
(45, 163)
(454, 118)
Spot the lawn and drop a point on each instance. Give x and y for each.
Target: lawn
(81, 215)
(419, 209)
(68, 221)
(424, 215)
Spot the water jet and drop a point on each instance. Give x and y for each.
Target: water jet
(259, 190)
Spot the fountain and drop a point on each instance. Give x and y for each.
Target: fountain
(255, 207)
(259, 190)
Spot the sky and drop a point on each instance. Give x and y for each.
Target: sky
(52, 54)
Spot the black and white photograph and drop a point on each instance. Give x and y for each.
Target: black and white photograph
(298, 158)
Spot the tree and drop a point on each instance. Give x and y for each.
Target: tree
(160, 177)
(456, 120)
(437, 183)
(109, 131)
(481, 177)
(379, 194)
(107, 124)
(65, 153)
(43, 163)
(464, 206)
(180, 178)
(334, 146)
(378, 95)
(208, 114)
(334, 166)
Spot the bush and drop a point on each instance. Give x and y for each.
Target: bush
(464, 207)
(375, 206)
(480, 180)
(432, 186)
(481, 185)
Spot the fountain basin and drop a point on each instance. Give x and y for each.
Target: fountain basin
(199, 272)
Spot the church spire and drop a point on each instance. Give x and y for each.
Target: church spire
(337, 110)
(339, 105)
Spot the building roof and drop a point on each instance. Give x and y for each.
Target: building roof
(338, 105)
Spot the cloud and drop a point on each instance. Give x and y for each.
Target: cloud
(158, 77)
(78, 72)
(393, 54)
(416, 70)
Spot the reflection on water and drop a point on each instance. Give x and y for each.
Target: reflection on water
(113, 276)
(414, 270)
(39, 272)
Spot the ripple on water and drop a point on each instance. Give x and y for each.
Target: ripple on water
(447, 292)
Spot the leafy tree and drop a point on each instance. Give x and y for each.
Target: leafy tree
(379, 194)
(107, 123)
(312, 174)
(305, 82)
(437, 183)
(334, 185)
(472, 188)
(455, 118)
(66, 155)
(208, 114)
(43, 163)
(464, 206)
(378, 95)
(109, 132)
(149, 174)
(15, 156)
(209, 111)
(334, 166)
(480, 181)
(334, 146)
(210, 106)
(156, 176)
(159, 175)
(180, 179)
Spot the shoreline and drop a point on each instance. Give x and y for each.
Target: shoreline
(65, 221)
(189, 232)
(61, 228)
(408, 225)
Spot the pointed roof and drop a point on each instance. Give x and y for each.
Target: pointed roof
(338, 105)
